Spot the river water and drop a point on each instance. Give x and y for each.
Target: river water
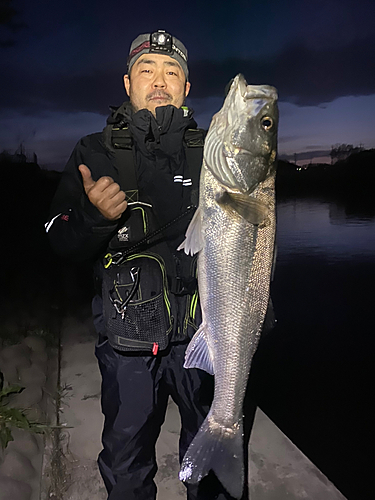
(313, 374)
(320, 228)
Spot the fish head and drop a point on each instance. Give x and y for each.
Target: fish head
(241, 144)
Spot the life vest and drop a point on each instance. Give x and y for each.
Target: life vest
(143, 287)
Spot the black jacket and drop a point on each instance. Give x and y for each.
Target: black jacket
(77, 230)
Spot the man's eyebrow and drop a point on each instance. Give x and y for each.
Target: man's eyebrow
(151, 61)
(146, 61)
(171, 63)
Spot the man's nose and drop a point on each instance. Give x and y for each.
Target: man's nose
(159, 81)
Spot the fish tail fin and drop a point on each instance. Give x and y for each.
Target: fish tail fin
(219, 449)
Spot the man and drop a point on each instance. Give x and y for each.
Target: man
(118, 195)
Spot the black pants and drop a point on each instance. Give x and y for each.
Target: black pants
(135, 391)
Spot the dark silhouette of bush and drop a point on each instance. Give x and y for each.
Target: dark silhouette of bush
(348, 182)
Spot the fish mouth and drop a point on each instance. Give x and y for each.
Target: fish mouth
(243, 103)
(242, 85)
(252, 91)
(234, 151)
(235, 137)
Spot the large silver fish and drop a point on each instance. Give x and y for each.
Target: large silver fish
(233, 230)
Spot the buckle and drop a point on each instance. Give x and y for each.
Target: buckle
(183, 286)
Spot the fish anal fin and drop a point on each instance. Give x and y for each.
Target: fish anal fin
(193, 242)
(198, 354)
(249, 208)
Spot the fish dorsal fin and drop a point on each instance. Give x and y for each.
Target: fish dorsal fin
(249, 208)
(193, 242)
(198, 354)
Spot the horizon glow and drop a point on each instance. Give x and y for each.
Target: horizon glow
(53, 135)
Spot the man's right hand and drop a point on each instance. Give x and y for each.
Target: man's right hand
(104, 193)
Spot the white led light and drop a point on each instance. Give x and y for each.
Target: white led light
(161, 39)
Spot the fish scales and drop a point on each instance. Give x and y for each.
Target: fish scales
(233, 230)
(249, 292)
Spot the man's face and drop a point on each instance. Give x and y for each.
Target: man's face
(156, 80)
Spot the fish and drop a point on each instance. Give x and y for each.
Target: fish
(233, 232)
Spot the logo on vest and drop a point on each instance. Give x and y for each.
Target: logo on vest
(123, 234)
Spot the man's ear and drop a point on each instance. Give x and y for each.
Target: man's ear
(187, 88)
(127, 84)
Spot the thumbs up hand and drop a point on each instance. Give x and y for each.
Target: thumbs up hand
(105, 194)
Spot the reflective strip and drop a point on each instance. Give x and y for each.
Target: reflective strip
(139, 203)
(48, 225)
(162, 267)
(193, 305)
(185, 182)
(143, 218)
(109, 260)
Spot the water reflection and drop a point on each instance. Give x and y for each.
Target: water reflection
(315, 227)
(313, 374)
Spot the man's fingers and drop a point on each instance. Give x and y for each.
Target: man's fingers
(88, 181)
(113, 207)
(107, 187)
(116, 212)
(105, 194)
(118, 198)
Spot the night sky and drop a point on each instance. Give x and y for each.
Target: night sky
(63, 62)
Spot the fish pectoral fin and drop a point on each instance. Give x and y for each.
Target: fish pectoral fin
(193, 242)
(198, 354)
(250, 209)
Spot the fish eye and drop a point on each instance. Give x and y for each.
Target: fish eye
(266, 122)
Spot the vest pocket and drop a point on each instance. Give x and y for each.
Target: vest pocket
(136, 305)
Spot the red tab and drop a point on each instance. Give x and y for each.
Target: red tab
(155, 348)
(144, 45)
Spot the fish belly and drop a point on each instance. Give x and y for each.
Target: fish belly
(234, 271)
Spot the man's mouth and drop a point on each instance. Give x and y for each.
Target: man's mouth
(159, 97)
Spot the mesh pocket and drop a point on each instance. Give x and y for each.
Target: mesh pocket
(146, 320)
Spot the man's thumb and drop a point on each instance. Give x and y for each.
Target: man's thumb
(88, 181)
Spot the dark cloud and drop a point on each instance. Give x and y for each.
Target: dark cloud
(289, 138)
(34, 93)
(7, 13)
(6, 43)
(306, 77)
(303, 76)
(305, 155)
(10, 23)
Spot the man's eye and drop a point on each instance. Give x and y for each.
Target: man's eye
(172, 73)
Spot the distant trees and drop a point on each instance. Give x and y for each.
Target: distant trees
(342, 151)
(21, 155)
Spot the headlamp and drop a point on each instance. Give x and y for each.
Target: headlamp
(161, 41)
